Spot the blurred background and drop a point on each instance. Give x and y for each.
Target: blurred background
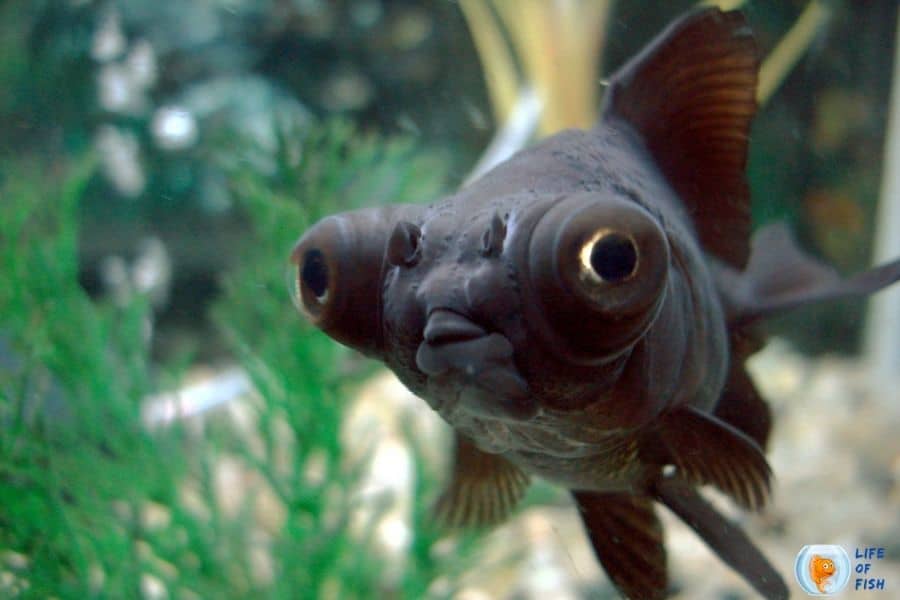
(170, 428)
(171, 98)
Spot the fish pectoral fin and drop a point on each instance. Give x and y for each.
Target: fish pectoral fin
(483, 489)
(740, 405)
(780, 276)
(724, 537)
(627, 538)
(706, 450)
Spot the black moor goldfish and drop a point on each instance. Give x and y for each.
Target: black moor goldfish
(583, 312)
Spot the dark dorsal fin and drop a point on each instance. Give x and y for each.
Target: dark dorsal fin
(691, 96)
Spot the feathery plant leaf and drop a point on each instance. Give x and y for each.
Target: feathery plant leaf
(94, 505)
(304, 380)
(75, 462)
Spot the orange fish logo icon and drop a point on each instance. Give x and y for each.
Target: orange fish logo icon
(820, 571)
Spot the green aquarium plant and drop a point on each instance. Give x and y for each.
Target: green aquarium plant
(93, 503)
(304, 381)
(76, 467)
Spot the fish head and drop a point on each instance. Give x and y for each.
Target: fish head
(494, 313)
(518, 306)
(452, 311)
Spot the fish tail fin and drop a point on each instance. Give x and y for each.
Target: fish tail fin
(724, 537)
(780, 276)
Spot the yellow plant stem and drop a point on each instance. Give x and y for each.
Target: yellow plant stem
(724, 4)
(557, 44)
(790, 49)
(497, 62)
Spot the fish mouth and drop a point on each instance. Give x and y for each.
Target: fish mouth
(463, 359)
(445, 326)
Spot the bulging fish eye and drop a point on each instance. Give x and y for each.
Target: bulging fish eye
(598, 264)
(317, 271)
(339, 268)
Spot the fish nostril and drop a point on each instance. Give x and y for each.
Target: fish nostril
(446, 326)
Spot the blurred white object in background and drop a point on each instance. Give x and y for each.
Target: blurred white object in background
(149, 274)
(174, 128)
(123, 82)
(151, 271)
(194, 400)
(109, 40)
(141, 62)
(120, 160)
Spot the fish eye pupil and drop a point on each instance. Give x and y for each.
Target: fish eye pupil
(613, 257)
(314, 273)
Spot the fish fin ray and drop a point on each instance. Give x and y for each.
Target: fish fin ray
(725, 538)
(483, 489)
(627, 539)
(780, 276)
(741, 405)
(707, 450)
(691, 95)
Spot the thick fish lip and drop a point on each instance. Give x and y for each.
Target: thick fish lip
(445, 326)
(452, 341)
(468, 356)
(460, 354)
